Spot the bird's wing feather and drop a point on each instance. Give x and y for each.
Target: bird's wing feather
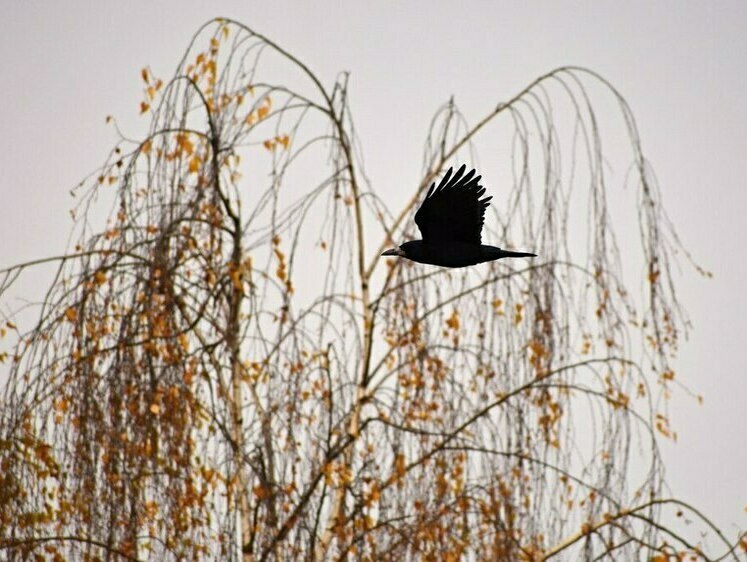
(453, 211)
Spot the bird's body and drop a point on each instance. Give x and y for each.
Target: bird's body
(457, 254)
(450, 220)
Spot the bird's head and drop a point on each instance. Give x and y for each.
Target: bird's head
(410, 250)
(395, 252)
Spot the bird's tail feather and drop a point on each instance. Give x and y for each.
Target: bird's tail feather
(508, 254)
(500, 253)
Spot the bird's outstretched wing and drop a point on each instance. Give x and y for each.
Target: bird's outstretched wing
(453, 211)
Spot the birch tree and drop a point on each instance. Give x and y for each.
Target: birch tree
(228, 370)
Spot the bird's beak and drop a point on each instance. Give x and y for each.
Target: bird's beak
(394, 252)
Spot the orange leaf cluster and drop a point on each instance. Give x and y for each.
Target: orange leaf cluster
(272, 144)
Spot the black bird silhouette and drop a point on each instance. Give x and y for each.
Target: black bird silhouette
(450, 220)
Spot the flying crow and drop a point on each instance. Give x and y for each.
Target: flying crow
(450, 220)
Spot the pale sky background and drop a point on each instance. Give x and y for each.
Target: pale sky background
(682, 66)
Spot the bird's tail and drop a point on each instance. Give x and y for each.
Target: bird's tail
(499, 253)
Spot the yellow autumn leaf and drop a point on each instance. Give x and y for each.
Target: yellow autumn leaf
(144, 107)
(71, 314)
(327, 470)
(284, 140)
(269, 145)
(453, 320)
(399, 465)
(374, 495)
(207, 473)
(184, 144)
(263, 111)
(246, 265)
(144, 74)
(184, 342)
(537, 348)
(194, 164)
(61, 404)
(155, 409)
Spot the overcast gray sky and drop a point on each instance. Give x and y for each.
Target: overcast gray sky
(681, 65)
